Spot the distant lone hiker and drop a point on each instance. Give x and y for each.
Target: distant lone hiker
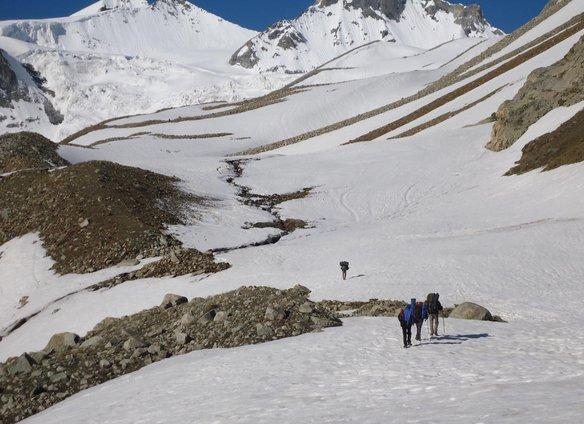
(434, 308)
(406, 319)
(344, 269)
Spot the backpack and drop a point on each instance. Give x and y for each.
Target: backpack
(419, 312)
(433, 304)
(408, 315)
(425, 311)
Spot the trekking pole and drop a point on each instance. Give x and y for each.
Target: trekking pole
(443, 323)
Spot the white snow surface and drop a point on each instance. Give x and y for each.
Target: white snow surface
(478, 372)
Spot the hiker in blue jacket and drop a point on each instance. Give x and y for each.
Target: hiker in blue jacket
(406, 320)
(420, 315)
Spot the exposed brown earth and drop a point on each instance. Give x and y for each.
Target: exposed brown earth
(69, 364)
(561, 84)
(563, 146)
(445, 116)
(93, 215)
(161, 136)
(27, 150)
(287, 225)
(456, 93)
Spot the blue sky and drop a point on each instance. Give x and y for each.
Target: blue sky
(258, 14)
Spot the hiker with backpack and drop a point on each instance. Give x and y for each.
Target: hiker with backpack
(434, 309)
(344, 269)
(420, 315)
(406, 320)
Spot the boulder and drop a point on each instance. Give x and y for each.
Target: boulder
(208, 316)
(62, 341)
(264, 331)
(472, 311)
(134, 343)
(187, 319)
(306, 308)
(182, 338)
(172, 300)
(55, 378)
(275, 313)
(93, 341)
(2, 370)
(220, 317)
(37, 357)
(22, 365)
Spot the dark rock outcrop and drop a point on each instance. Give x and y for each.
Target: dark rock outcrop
(561, 84)
(564, 146)
(9, 88)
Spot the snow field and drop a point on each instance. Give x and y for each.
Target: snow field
(479, 372)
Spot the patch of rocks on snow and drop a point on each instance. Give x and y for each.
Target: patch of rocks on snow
(69, 364)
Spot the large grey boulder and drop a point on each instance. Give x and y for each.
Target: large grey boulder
(62, 341)
(22, 365)
(92, 342)
(469, 310)
(172, 300)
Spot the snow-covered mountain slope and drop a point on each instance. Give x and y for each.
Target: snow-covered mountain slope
(331, 27)
(122, 57)
(168, 29)
(425, 212)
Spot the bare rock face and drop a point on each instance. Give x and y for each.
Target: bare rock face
(9, 89)
(561, 84)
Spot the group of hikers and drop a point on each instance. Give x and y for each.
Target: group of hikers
(418, 312)
(415, 313)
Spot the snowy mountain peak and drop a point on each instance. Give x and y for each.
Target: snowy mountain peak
(331, 27)
(165, 29)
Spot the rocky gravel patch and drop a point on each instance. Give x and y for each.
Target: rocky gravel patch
(37, 380)
(564, 146)
(175, 263)
(27, 150)
(93, 215)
